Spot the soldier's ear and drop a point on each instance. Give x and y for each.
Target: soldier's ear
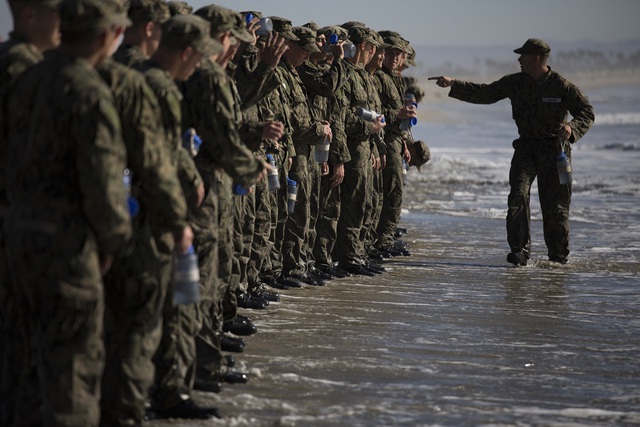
(186, 54)
(148, 29)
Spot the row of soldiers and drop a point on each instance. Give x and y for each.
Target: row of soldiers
(194, 111)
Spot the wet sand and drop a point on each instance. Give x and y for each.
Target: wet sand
(452, 335)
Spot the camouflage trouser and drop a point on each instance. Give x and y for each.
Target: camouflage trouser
(279, 217)
(135, 289)
(531, 159)
(176, 356)
(392, 203)
(315, 172)
(376, 200)
(208, 338)
(260, 245)
(297, 225)
(57, 274)
(367, 220)
(353, 194)
(327, 224)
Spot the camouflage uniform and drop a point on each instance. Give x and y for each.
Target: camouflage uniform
(539, 109)
(305, 133)
(176, 351)
(358, 173)
(16, 56)
(67, 209)
(136, 285)
(210, 111)
(392, 98)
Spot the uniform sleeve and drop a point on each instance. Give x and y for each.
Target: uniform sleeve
(581, 112)
(213, 116)
(101, 160)
(482, 93)
(150, 162)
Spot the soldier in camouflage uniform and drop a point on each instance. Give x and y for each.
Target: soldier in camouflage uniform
(143, 37)
(184, 43)
(540, 100)
(67, 217)
(209, 109)
(137, 284)
(36, 30)
(393, 107)
(306, 132)
(350, 247)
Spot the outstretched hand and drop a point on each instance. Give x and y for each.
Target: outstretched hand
(442, 81)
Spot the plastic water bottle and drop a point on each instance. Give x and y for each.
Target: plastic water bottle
(349, 50)
(272, 177)
(265, 27)
(564, 168)
(292, 193)
(322, 149)
(133, 206)
(186, 281)
(333, 39)
(368, 115)
(248, 18)
(191, 141)
(409, 101)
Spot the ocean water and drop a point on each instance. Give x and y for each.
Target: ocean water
(453, 335)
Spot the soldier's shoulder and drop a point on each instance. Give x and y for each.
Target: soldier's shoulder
(16, 57)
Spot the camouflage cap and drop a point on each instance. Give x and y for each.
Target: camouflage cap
(393, 39)
(350, 24)
(48, 3)
(342, 34)
(284, 28)
(535, 46)
(255, 14)
(381, 43)
(148, 11)
(241, 29)
(182, 31)
(223, 19)
(422, 154)
(179, 8)
(362, 35)
(81, 16)
(411, 55)
(312, 25)
(307, 38)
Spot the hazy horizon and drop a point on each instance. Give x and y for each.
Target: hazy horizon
(460, 23)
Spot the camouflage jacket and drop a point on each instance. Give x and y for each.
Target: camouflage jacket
(170, 102)
(371, 84)
(210, 108)
(305, 131)
(16, 56)
(67, 167)
(155, 179)
(539, 108)
(392, 99)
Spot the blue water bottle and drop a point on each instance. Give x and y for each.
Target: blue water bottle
(321, 154)
(133, 206)
(292, 193)
(186, 283)
(239, 190)
(409, 101)
(564, 168)
(272, 177)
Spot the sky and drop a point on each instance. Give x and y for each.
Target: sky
(454, 22)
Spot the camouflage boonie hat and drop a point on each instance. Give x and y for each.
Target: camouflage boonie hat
(148, 11)
(350, 24)
(342, 34)
(80, 16)
(48, 3)
(362, 34)
(223, 19)
(307, 39)
(393, 39)
(422, 154)
(535, 46)
(182, 31)
(179, 8)
(284, 28)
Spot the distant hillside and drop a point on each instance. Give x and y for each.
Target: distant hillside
(493, 60)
